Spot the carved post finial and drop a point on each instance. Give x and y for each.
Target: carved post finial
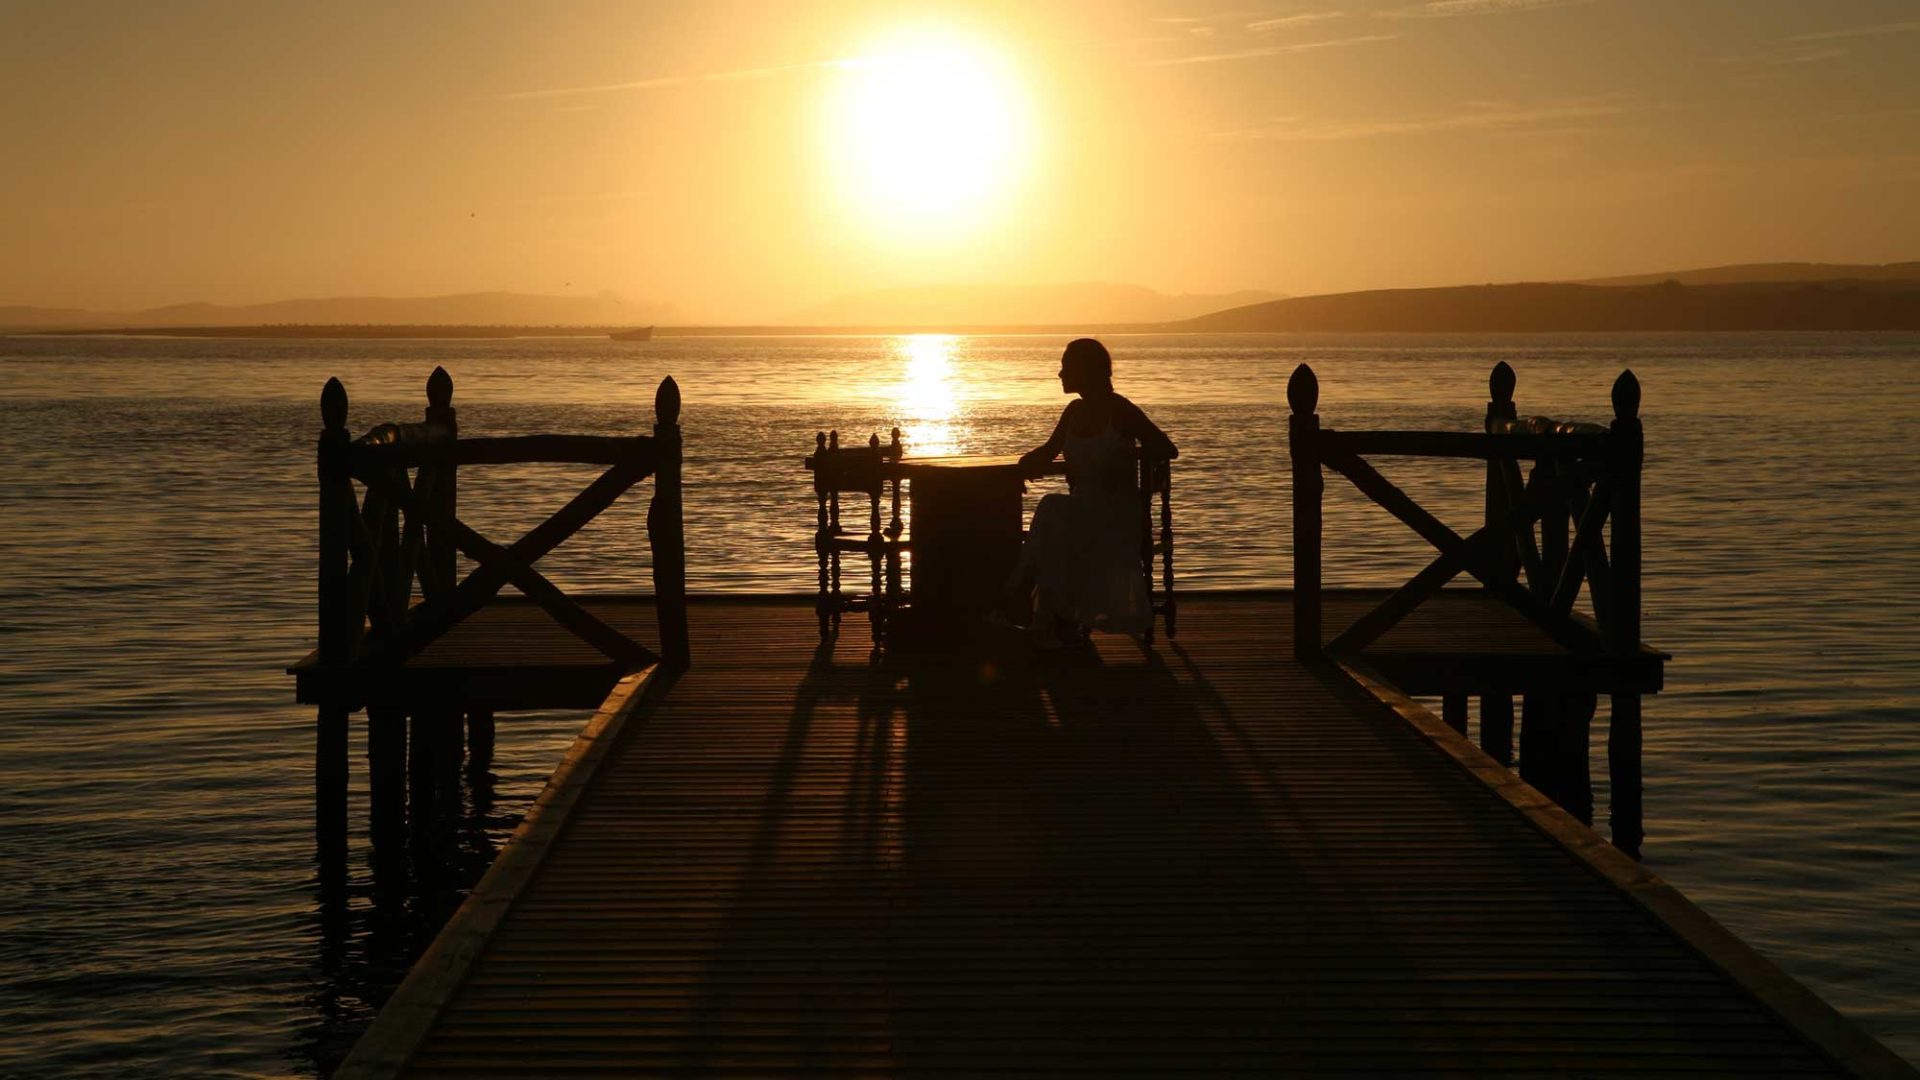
(896, 437)
(1303, 390)
(1500, 383)
(333, 405)
(819, 440)
(1626, 396)
(439, 388)
(833, 439)
(873, 441)
(666, 403)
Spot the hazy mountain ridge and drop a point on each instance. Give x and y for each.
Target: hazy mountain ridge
(1776, 273)
(1841, 304)
(1016, 305)
(1753, 296)
(463, 309)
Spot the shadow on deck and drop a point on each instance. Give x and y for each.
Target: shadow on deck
(1206, 857)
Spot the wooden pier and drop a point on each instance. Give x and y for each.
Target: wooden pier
(1239, 851)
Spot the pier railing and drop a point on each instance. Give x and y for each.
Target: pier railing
(405, 530)
(1574, 520)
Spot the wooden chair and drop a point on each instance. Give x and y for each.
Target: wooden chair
(871, 470)
(1156, 479)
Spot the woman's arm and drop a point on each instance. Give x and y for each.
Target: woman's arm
(1041, 456)
(1152, 440)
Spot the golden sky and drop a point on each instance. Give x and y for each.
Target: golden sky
(746, 160)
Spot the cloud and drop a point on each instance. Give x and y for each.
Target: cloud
(1288, 22)
(1906, 27)
(1813, 47)
(1441, 8)
(740, 75)
(1791, 54)
(1270, 50)
(1480, 117)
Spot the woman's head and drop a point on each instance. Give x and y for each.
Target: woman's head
(1085, 367)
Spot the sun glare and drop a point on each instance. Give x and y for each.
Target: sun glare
(926, 395)
(927, 133)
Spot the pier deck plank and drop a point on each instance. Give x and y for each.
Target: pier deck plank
(511, 655)
(1205, 857)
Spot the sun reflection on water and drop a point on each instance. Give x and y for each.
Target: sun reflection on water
(927, 396)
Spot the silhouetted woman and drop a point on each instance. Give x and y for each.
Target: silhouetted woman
(1082, 556)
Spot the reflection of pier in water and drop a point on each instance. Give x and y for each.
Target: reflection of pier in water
(1244, 849)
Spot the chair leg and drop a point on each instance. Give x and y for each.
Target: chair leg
(838, 602)
(876, 601)
(821, 601)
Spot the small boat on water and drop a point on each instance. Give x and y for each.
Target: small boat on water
(640, 333)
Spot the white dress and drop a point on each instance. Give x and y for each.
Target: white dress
(1083, 549)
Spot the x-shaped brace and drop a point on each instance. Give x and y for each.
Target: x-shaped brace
(1474, 554)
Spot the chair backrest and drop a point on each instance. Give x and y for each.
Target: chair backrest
(870, 470)
(1156, 478)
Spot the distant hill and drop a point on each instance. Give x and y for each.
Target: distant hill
(1772, 272)
(20, 317)
(1016, 305)
(460, 309)
(1820, 305)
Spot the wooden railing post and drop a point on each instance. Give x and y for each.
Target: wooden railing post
(336, 503)
(1496, 710)
(390, 576)
(1622, 629)
(337, 637)
(1303, 433)
(1500, 407)
(666, 529)
(443, 493)
(1545, 760)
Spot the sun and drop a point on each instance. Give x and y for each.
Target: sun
(928, 132)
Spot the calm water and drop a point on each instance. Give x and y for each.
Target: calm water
(158, 901)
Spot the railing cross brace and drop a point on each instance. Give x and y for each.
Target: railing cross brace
(483, 583)
(1457, 554)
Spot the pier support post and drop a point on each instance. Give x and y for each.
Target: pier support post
(420, 772)
(1453, 709)
(330, 788)
(1554, 730)
(386, 771)
(1575, 772)
(1623, 774)
(480, 732)
(1538, 723)
(1496, 727)
(448, 735)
